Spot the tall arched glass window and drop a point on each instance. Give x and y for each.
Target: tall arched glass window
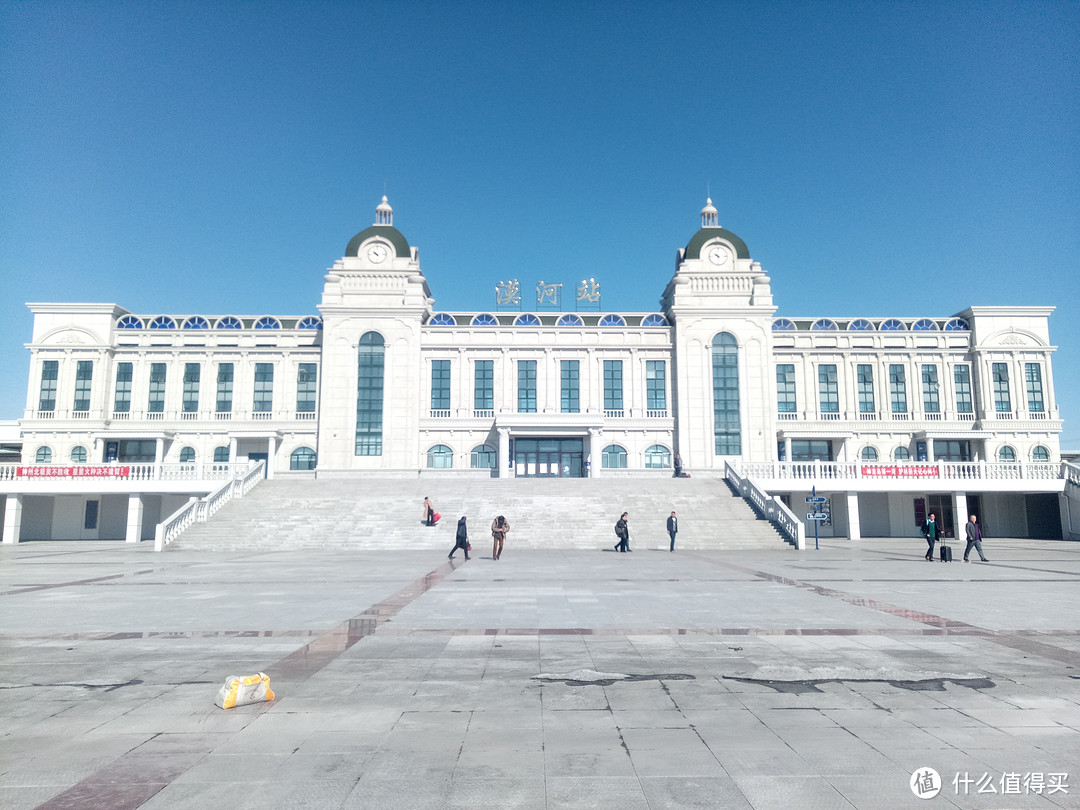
(613, 457)
(657, 457)
(369, 394)
(440, 457)
(302, 458)
(727, 431)
(482, 457)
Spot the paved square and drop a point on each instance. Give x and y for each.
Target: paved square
(547, 679)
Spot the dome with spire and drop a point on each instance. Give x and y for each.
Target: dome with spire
(710, 230)
(383, 227)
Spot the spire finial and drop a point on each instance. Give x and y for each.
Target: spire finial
(709, 215)
(384, 214)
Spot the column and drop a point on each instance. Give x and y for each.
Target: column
(13, 505)
(504, 465)
(854, 529)
(592, 453)
(960, 514)
(134, 518)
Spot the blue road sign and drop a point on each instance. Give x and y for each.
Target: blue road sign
(816, 499)
(816, 516)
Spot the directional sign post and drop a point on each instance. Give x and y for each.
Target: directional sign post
(815, 498)
(817, 516)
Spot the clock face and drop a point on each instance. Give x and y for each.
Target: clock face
(377, 253)
(718, 255)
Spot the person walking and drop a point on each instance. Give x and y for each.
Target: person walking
(461, 539)
(499, 527)
(678, 466)
(622, 531)
(672, 529)
(429, 512)
(974, 538)
(930, 532)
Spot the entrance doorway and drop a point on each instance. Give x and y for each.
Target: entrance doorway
(549, 458)
(942, 506)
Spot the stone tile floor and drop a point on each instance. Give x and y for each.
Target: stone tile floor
(823, 678)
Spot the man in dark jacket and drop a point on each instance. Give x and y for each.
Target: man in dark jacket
(672, 529)
(974, 538)
(622, 531)
(930, 532)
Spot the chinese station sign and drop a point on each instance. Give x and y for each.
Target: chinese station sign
(897, 471)
(109, 471)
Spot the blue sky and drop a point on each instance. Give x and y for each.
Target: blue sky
(879, 158)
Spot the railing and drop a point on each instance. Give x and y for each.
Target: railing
(769, 506)
(483, 413)
(1071, 472)
(198, 510)
(305, 416)
(784, 416)
(439, 413)
(183, 471)
(963, 470)
(80, 414)
(656, 413)
(614, 413)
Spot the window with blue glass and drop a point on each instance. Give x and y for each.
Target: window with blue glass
(526, 386)
(656, 385)
(657, 457)
(369, 394)
(192, 376)
(440, 385)
(931, 399)
(864, 375)
(613, 400)
(785, 388)
(263, 399)
(50, 371)
(187, 455)
(440, 457)
(482, 457)
(78, 454)
(570, 375)
(224, 387)
(484, 385)
(613, 457)
(727, 424)
(1000, 377)
(302, 458)
(84, 375)
(122, 396)
(962, 382)
(898, 389)
(1033, 377)
(828, 389)
(307, 378)
(156, 397)
(221, 454)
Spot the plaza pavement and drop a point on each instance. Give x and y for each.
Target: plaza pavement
(815, 679)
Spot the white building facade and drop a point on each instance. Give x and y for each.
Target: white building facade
(894, 417)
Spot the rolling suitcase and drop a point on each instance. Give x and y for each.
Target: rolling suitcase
(946, 553)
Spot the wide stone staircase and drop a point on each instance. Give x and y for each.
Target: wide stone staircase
(373, 513)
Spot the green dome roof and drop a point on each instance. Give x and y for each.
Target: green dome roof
(693, 249)
(387, 232)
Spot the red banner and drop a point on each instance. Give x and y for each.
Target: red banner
(56, 471)
(897, 471)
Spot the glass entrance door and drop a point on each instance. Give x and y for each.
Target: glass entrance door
(548, 458)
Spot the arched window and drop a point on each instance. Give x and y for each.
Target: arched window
(783, 325)
(868, 454)
(440, 457)
(570, 319)
(654, 320)
(901, 454)
(267, 322)
(163, 322)
(612, 320)
(1006, 453)
(526, 319)
(43, 455)
(823, 325)
(442, 319)
(727, 431)
(187, 454)
(613, 457)
(924, 325)
(371, 356)
(957, 325)
(860, 325)
(1040, 453)
(221, 454)
(310, 322)
(657, 457)
(129, 322)
(482, 457)
(302, 458)
(78, 454)
(229, 322)
(892, 325)
(484, 319)
(196, 322)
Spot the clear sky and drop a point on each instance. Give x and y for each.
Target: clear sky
(879, 158)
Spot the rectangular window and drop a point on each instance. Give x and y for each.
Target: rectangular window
(440, 385)
(50, 370)
(962, 381)
(786, 401)
(526, 386)
(137, 450)
(570, 382)
(224, 387)
(811, 450)
(898, 389)
(952, 450)
(1002, 400)
(263, 399)
(656, 385)
(613, 385)
(864, 377)
(828, 391)
(306, 379)
(122, 400)
(84, 374)
(1033, 377)
(484, 385)
(156, 403)
(192, 376)
(930, 399)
